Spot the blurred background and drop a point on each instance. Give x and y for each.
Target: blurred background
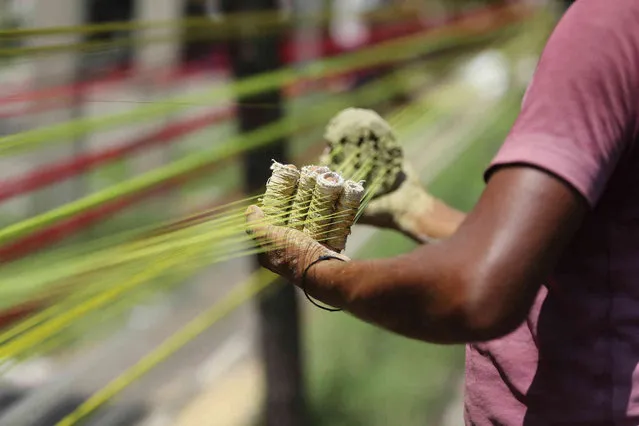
(123, 117)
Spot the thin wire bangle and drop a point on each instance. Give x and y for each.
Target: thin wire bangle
(303, 281)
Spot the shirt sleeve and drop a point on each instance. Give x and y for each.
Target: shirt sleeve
(579, 114)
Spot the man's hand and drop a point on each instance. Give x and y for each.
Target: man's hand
(411, 210)
(403, 204)
(287, 252)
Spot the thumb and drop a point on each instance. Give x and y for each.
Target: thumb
(254, 219)
(254, 214)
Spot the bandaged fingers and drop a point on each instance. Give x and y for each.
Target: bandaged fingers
(313, 200)
(305, 214)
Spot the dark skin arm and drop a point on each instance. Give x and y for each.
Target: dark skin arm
(480, 283)
(477, 285)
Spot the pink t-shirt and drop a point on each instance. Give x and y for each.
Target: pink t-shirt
(575, 361)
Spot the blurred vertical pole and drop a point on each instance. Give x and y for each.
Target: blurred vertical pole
(565, 4)
(278, 318)
(307, 47)
(154, 64)
(51, 70)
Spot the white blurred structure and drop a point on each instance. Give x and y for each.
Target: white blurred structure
(347, 28)
(488, 74)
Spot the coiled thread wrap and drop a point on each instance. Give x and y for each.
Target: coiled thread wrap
(325, 195)
(280, 189)
(304, 195)
(345, 213)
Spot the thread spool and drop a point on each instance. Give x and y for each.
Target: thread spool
(304, 195)
(280, 189)
(346, 210)
(327, 190)
(364, 131)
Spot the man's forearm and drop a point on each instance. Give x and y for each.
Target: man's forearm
(479, 284)
(424, 302)
(379, 291)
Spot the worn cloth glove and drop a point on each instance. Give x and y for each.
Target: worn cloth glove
(287, 252)
(402, 208)
(404, 203)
